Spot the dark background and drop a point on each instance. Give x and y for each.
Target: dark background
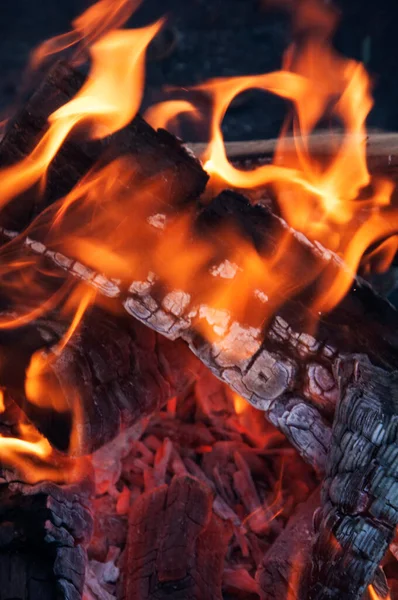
(209, 38)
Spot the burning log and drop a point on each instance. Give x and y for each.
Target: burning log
(44, 530)
(284, 570)
(360, 502)
(117, 369)
(154, 153)
(281, 369)
(176, 545)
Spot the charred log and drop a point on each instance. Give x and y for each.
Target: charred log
(176, 544)
(44, 529)
(285, 370)
(359, 497)
(153, 153)
(118, 370)
(284, 570)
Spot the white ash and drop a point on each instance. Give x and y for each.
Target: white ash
(176, 302)
(108, 287)
(37, 247)
(238, 345)
(159, 220)
(226, 270)
(217, 318)
(260, 295)
(83, 272)
(142, 287)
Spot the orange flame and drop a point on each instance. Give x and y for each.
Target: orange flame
(375, 596)
(90, 26)
(331, 199)
(38, 388)
(107, 102)
(31, 454)
(162, 115)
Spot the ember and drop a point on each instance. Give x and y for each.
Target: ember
(163, 314)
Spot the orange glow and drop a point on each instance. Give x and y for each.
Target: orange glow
(117, 221)
(96, 21)
(240, 404)
(331, 198)
(375, 596)
(379, 259)
(161, 115)
(31, 454)
(40, 388)
(2, 404)
(108, 100)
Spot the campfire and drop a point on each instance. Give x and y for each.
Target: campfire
(198, 379)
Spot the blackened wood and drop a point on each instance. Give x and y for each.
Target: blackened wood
(284, 570)
(44, 530)
(154, 153)
(176, 545)
(287, 371)
(360, 493)
(117, 369)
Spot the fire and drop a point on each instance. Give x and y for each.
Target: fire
(35, 460)
(240, 403)
(113, 223)
(90, 26)
(107, 102)
(332, 199)
(161, 115)
(38, 386)
(375, 596)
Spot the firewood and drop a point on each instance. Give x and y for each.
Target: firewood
(286, 370)
(153, 153)
(381, 147)
(359, 496)
(284, 569)
(176, 544)
(44, 530)
(118, 369)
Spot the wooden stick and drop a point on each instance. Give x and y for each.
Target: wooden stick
(377, 144)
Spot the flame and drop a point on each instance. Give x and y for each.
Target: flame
(240, 404)
(162, 115)
(94, 23)
(379, 259)
(114, 220)
(107, 102)
(375, 596)
(39, 388)
(332, 199)
(33, 457)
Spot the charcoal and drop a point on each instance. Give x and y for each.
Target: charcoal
(360, 492)
(44, 530)
(176, 545)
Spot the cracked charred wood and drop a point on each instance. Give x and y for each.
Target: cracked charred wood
(360, 493)
(284, 570)
(176, 545)
(44, 530)
(281, 368)
(153, 153)
(117, 369)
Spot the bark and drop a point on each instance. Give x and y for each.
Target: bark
(44, 529)
(283, 572)
(176, 545)
(118, 369)
(360, 493)
(285, 370)
(153, 153)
